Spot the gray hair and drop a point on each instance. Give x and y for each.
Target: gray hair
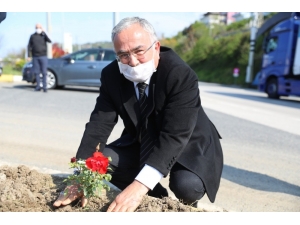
(127, 22)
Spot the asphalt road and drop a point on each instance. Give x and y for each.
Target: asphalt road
(261, 139)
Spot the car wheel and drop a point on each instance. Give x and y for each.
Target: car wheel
(51, 80)
(272, 88)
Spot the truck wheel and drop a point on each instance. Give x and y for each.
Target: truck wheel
(272, 88)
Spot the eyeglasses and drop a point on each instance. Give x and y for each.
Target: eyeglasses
(139, 54)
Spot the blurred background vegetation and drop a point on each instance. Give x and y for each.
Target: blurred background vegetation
(13, 63)
(213, 52)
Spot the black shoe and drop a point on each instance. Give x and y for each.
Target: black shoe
(45, 91)
(37, 90)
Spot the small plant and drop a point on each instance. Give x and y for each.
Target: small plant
(90, 174)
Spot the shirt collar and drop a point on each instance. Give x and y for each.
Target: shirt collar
(146, 82)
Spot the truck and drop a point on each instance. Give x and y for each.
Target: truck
(280, 69)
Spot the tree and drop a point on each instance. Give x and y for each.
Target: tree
(57, 51)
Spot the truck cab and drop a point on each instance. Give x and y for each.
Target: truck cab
(280, 70)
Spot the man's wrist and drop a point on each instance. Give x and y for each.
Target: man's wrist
(141, 186)
(149, 176)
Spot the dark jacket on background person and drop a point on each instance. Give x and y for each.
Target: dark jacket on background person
(176, 120)
(37, 45)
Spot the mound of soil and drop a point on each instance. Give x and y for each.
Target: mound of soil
(26, 190)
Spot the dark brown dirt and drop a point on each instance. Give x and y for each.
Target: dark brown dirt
(26, 190)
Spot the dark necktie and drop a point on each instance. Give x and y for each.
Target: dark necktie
(146, 141)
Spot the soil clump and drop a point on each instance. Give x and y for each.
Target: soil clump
(26, 190)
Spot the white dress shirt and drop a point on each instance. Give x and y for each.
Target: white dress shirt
(148, 175)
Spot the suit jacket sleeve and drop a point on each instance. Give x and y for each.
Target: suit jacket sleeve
(101, 123)
(179, 116)
(29, 47)
(47, 39)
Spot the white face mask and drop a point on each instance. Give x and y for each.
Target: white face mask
(39, 30)
(139, 73)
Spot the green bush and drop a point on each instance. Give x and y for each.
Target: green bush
(10, 70)
(19, 64)
(213, 53)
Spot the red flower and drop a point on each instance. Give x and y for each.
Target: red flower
(97, 163)
(73, 159)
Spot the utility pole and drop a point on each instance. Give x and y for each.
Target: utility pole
(63, 28)
(253, 30)
(49, 45)
(77, 42)
(115, 19)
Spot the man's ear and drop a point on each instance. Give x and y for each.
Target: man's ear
(157, 57)
(157, 46)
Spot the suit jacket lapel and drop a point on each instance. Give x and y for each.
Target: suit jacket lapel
(151, 93)
(130, 101)
(150, 105)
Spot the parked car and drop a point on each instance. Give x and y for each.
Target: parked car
(81, 68)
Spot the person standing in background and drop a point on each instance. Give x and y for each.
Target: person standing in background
(37, 49)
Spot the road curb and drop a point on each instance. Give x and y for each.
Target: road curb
(10, 78)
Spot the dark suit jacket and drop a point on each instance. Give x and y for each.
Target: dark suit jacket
(176, 120)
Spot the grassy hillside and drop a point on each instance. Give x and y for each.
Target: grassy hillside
(214, 52)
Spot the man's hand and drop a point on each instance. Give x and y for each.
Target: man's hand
(129, 199)
(72, 194)
(28, 59)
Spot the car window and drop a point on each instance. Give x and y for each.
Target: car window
(272, 44)
(109, 55)
(85, 55)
